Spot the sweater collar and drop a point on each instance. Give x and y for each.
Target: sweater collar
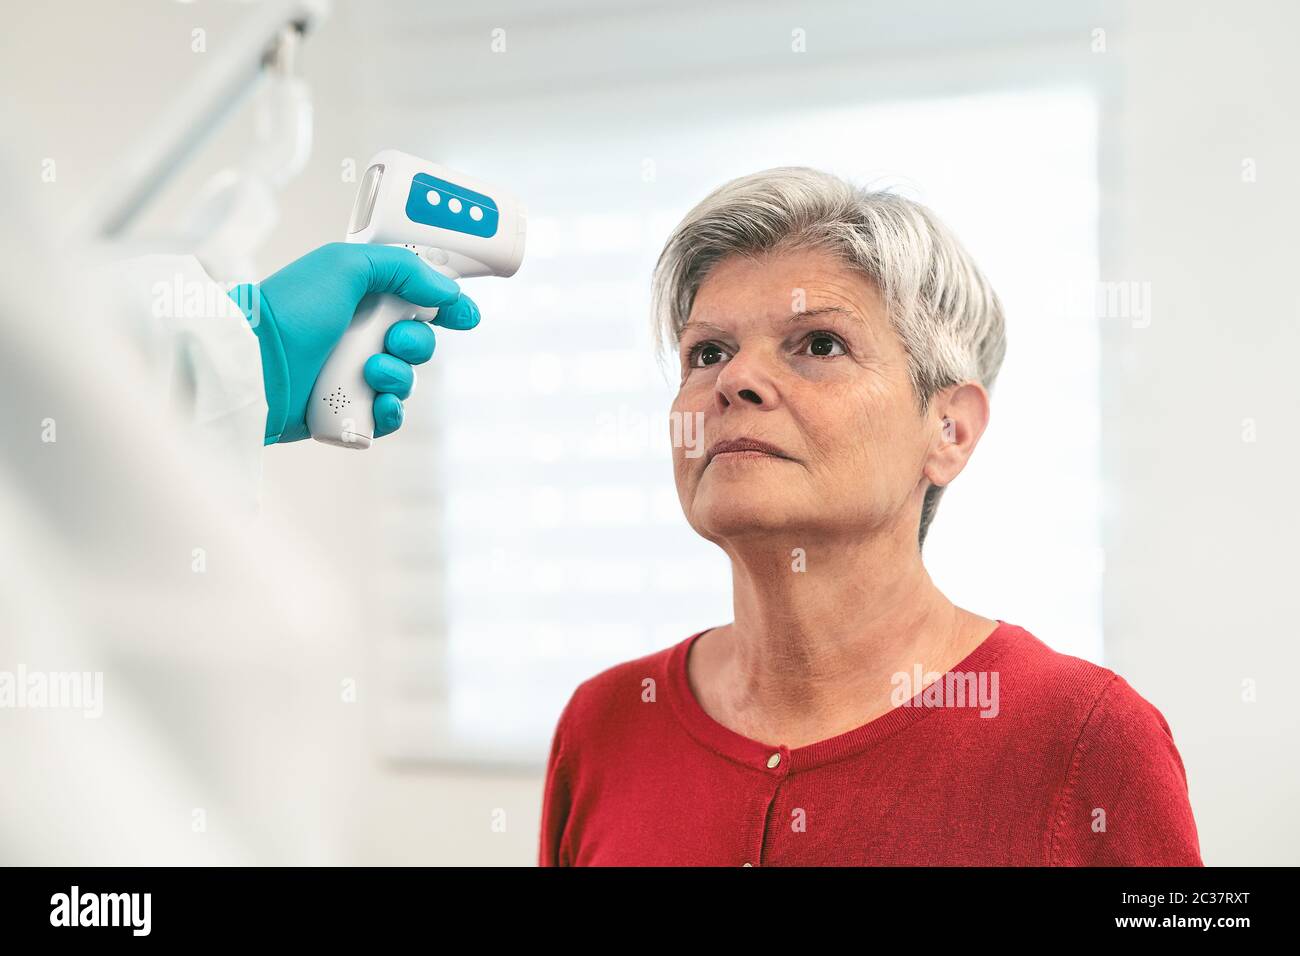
(778, 759)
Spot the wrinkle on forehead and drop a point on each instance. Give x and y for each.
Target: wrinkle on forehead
(828, 285)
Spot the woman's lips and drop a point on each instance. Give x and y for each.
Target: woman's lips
(745, 448)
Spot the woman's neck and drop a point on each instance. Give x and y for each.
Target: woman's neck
(820, 631)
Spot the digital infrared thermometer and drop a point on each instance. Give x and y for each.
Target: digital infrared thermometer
(459, 226)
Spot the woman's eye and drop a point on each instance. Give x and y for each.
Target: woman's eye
(819, 344)
(824, 345)
(706, 353)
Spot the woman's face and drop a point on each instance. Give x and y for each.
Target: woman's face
(795, 349)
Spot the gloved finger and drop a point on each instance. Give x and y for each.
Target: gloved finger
(401, 272)
(410, 341)
(388, 414)
(461, 314)
(388, 373)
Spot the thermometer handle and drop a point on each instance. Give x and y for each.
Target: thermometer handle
(341, 410)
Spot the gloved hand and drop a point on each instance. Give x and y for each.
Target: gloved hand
(301, 312)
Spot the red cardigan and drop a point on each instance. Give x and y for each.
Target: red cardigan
(1072, 768)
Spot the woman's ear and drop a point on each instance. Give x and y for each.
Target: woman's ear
(962, 415)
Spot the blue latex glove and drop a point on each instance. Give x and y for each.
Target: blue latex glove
(301, 312)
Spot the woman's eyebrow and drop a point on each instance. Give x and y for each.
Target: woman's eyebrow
(825, 310)
(702, 326)
(802, 316)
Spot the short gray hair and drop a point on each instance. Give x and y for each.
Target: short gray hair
(941, 306)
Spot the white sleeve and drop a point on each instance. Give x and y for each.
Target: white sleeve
(202, 357)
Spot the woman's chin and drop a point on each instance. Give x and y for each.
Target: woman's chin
(735, 514)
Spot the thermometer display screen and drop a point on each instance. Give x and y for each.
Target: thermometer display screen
(364, 207)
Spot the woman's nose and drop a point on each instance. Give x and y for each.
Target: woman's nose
(744, 381)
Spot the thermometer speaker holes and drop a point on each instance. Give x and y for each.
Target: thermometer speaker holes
(337, 400)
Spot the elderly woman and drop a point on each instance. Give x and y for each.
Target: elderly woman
(838, 347)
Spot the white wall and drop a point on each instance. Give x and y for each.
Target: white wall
(1200, 542)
